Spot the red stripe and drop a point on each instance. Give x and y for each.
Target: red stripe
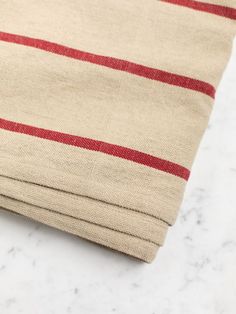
(99, 146)
(113, 63)
(206, 7)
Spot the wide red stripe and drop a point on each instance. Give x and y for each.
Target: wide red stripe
(206, 7)
(99, 146)
(113, 63)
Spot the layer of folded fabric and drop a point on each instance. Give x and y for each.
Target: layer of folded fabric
(102, 108)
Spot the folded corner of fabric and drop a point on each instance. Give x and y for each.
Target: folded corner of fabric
(102, 110)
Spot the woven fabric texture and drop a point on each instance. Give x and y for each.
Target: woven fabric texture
(102, 107)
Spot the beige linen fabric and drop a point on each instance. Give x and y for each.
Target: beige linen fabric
(51, 102)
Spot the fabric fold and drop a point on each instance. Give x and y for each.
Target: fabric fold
(102, 108)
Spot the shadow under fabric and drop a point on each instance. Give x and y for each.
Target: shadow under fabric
(102, 108)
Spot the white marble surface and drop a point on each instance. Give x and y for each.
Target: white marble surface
(45, 271)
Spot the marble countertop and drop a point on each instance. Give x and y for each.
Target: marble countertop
(45, 271)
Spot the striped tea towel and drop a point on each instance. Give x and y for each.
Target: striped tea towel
(102, 107)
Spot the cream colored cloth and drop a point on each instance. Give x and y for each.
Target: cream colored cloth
(102, 107)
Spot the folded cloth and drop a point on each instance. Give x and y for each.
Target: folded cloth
(102, 107)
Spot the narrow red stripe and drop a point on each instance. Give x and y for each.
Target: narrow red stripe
(99, 146)
(113, 63)
(206, 7)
